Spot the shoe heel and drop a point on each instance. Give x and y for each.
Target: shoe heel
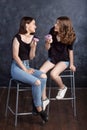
(44, 116)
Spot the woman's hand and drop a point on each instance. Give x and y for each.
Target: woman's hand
(73, 68)
(30, 71)
(34, 42)
(48, 39)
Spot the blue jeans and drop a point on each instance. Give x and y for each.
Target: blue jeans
(18, 74)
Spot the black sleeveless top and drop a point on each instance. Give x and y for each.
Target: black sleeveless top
(58, 51)
(24, 49)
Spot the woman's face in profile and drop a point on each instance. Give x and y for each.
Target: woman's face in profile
(56, 26)
(31, 27)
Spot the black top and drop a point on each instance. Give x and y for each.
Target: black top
(58, 51)
(24, 48)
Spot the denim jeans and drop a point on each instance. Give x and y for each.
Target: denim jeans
(18, 74)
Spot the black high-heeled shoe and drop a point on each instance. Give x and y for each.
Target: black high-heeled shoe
(43, 115)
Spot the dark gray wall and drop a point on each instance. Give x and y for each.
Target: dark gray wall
(45, 12)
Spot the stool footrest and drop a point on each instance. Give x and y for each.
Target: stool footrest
(19, 113)
(62, 99)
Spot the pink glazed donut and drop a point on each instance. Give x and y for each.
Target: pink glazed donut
(36, 39)
(48, 37)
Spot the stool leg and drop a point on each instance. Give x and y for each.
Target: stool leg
(74, 103)
(16, 112)
(71, 81)
(49, 94)
(73, 93)
(8, 95)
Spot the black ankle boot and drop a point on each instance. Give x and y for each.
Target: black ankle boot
(44, 116)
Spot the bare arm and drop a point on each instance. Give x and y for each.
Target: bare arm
(33, 49)
(17, 58)
(71, 56)
(16, 52)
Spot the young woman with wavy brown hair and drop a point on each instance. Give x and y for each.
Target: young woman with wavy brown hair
(59, 44)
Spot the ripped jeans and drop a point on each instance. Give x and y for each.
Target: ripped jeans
(18, 74)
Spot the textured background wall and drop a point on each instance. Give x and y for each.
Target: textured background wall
(45, 12)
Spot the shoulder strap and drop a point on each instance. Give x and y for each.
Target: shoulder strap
(18, 37)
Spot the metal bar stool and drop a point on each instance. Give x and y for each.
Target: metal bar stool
(66, 74)
(18, 89)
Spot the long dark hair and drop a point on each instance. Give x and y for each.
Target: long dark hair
(24, 20)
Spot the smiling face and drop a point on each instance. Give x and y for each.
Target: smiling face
(56, 26)
(27, 25)
(64, 29)
(31, 27)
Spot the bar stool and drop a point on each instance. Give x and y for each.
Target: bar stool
(19, 88)
(66, 74)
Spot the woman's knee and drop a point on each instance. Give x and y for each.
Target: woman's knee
(53, 75)
(37, 83)
(44, 76)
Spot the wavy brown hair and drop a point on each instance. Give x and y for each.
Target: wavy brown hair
(66, 31)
